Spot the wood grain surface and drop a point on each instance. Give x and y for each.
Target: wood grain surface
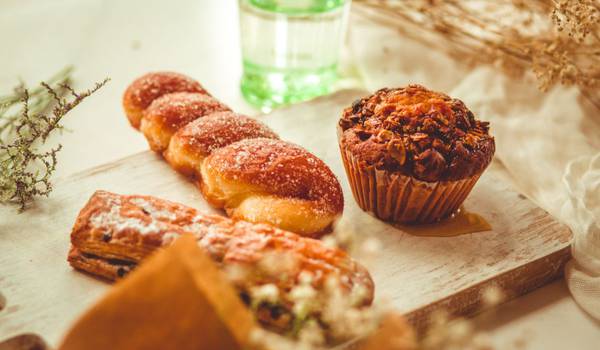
(525, 249)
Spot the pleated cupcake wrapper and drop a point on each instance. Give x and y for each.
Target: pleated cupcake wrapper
(404, 199)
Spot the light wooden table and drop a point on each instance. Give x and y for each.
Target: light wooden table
(123, 39)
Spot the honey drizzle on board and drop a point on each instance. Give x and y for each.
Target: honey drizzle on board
(460, 223)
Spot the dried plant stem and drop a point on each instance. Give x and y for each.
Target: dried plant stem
(39, 101)
(556, 40)
(25, 171)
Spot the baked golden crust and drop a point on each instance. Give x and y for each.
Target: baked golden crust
(140, 94)
(129, 228)
(305, 199)
(113, 233)
(108, 269)
(170, 112)
(196, 140)
(280, 168)
(417, 132)
(273, 181)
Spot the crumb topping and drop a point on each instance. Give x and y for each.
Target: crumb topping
(417, 132)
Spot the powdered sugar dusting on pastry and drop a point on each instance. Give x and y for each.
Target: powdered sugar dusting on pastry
(219, 129)
(227, 241)
(115, 221)
(136, 213)
(144, 90)
(150, 209)
(280, 168)
(147, 88)
(173, 111)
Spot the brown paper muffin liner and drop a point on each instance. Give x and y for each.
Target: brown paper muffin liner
(404, 199)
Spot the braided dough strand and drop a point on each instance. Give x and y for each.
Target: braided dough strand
(238, 162)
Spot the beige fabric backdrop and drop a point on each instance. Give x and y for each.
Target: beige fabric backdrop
(540, 137)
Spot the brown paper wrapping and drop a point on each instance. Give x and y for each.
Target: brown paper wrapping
(394, 333)
(403, 199)
(177, 299)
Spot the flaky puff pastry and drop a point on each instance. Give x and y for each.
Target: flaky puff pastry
(147, 88)
(191, 144)
(113, 233)
(274, 182)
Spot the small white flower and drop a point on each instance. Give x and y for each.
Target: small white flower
(330, 241)
(277, 263)
(311, 334)
(358, 295)
(460, 331)
(305, 277)
(302, 292)
(236, 273)
(371, 246)
(265, 293)
(302, 308)
(492, 296)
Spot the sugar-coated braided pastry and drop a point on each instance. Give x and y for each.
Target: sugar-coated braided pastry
(197, 140)
(171, 112)
(252, 175)
(147, 88)
(273, 181)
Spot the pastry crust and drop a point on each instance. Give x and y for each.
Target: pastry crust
(113, 233)
(191, 144)
(171, 112)
(140, 94)
(273, 181)
(110, 270)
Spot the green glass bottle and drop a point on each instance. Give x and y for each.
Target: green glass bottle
(290, 49)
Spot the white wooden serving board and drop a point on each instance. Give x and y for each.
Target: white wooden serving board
(525, 249)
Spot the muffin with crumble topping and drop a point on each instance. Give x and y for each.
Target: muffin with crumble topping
(412, 155)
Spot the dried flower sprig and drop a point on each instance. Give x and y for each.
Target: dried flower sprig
(331, 316)
(25, 170)
(311, 314)
(39, 102)
(320, 320)
(446, 333)
(557, 40)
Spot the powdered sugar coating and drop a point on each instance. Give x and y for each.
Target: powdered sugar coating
(140, 94)
(172, 111)
(116, 221)
(279, 168)
(130, 219)
(219, 129)
(300, 195)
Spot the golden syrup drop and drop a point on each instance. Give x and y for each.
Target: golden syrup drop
(460, 223)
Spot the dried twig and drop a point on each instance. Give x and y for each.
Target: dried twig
(25, 171)
(557, 40)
